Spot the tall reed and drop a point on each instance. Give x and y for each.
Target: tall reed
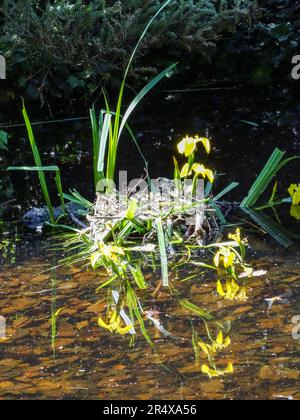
(108, 128)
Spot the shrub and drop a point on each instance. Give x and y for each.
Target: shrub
(61, 48)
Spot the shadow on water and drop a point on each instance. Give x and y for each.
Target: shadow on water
(53, 346)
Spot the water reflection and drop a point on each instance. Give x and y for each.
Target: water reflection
(91, 363)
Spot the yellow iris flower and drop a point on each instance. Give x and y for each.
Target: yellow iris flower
(114, 324)
(294, 192)
(188, 145)
(201, 170)
(225, 256)
(295, 212)
(198, 169)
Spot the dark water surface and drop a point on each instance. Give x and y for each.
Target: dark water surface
(70, 357)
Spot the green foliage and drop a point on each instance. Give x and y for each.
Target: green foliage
(262, 53)
(40, 169)
(59, 48)
(3, 140)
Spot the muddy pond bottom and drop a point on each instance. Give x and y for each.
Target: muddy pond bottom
(54, 348)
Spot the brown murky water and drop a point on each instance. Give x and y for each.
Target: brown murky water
(92, 364)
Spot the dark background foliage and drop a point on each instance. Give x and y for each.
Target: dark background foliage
(70, 49)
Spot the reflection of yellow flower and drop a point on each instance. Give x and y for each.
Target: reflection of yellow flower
(218, 345)
(295, 212)
(114, 324)
(226, 256)
(232, 291)
(242, 296)
(294, 191)
(188, 145)
(215, 373)
(111, 252)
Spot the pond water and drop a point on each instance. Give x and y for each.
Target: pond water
(73, 358)
(70, 357)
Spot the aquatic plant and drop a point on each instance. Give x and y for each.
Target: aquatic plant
(274, 165)
(136, 236)
(40, 169)
(110, 125)
(3, 140)
(249, 205)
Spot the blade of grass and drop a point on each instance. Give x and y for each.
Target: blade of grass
(95, 138)
(273, 228)
(38, 163)
(163, 252)
(115, 136)
(103, 145)
(138, 277)
(226, 191)
(196, 310)
(264, 179)
(133, 305)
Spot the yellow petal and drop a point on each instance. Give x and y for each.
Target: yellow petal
(206, 144)
(185, 171)
(187, 146)
(296, 198)
(95, 258)
(204, 347)
(230, 368)
(124, 330)
(205, 369)
(103, 324)
(117, 250)
(294, 191)
(212, 373)
(220, 339)
(220, 289)
(181, 147)
(295, 212)
(227, 342)
(210, 176)
(217, 260)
